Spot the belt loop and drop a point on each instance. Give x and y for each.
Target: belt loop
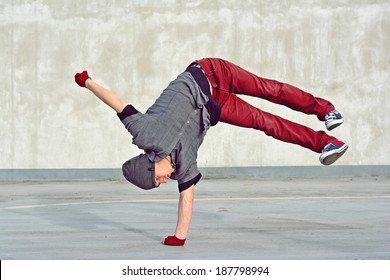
(208, 70)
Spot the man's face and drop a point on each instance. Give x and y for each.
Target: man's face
(163, 170)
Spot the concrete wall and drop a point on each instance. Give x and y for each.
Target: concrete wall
(338, 50)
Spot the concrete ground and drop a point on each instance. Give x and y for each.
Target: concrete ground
(288, 219)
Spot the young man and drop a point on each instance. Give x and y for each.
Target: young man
(173, 128)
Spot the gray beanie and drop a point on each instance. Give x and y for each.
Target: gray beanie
(140, 171)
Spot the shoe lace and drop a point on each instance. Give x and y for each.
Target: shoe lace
(331, 116)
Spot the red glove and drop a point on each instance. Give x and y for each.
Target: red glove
(174, 241)
(81, 78)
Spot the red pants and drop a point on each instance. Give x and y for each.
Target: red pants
(228, 80)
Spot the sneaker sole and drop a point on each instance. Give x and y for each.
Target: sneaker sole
(334, 124)
(330, 157)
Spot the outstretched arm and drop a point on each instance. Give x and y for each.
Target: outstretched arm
(107, 96)
(186, 202)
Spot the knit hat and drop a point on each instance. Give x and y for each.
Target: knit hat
(140, 171)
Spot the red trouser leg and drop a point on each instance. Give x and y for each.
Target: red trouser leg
(236, 111)
(228, 78)
(232, 78)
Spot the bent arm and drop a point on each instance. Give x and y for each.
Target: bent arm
(107, 96)
(186, 202)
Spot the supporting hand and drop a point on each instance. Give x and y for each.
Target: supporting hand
(174, 241)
